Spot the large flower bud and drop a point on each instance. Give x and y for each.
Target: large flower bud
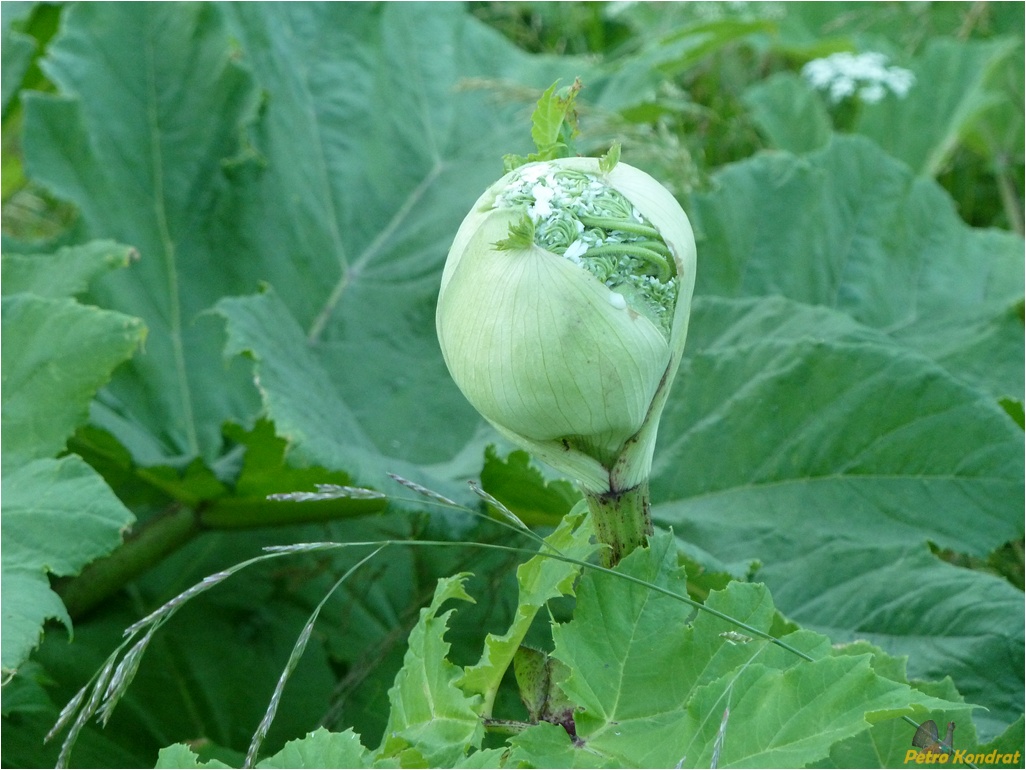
(563, 312)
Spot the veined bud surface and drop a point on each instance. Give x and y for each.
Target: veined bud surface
(563, 312)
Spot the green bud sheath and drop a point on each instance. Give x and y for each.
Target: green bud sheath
(537, 346)
(571, 357)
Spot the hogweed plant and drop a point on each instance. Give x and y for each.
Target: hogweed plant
(562, 316)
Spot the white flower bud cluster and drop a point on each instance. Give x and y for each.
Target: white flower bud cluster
(865, 75)
(581, 218)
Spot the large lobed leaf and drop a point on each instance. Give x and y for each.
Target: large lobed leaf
(56, 354)
(341, 189)
(802, 439)
(41, 498)
(850, 228)
(651, 688)
(321, 749)
(136, 140)
(948, 621)
(379, 155)
(538, 580)
(788, 422)
(432, 721)
(861, 417)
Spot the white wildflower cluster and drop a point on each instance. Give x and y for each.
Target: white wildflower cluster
(865, 75)
(584, 220)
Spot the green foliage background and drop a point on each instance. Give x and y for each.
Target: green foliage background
(224, 227)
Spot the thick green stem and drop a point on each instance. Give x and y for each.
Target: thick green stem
(155, 539)
(622, 520)
(150, 543)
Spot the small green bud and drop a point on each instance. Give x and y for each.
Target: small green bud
(563, 311)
